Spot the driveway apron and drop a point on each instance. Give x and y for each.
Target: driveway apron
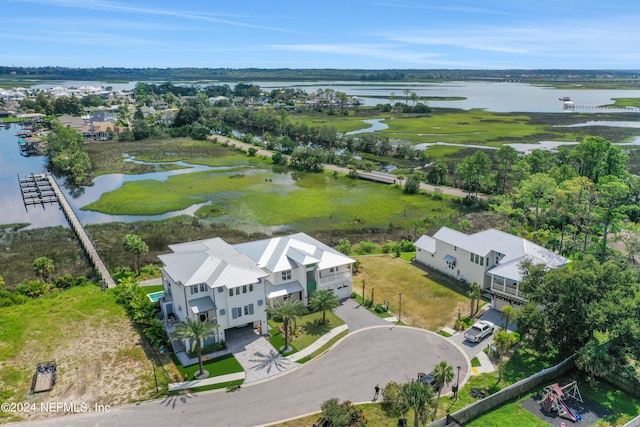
(358, 317)
(256, 355)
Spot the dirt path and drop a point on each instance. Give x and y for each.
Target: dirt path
(451, 191)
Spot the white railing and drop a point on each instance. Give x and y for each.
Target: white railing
(507, 289)
(335, 277)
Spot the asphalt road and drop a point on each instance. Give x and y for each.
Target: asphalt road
(350, 371)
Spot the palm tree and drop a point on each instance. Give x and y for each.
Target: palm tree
(135, 245)
(507, 311)
(594, 359)
(419, 397)
(44, 267)
(474, 293)
(503, 341)
(287, 311)
(197, 331)
(324, 300)
(443, 373)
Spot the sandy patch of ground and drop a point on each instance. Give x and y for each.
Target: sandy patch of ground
(97, 363)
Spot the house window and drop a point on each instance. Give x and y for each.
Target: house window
(477, 259)
(286, 275)
(481, 260)
(203, 287)
(193, 289)
(231, 292)
(471, 257)
(251, 287)
(236, 312)
(244, 289)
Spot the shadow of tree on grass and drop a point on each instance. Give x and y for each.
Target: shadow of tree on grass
(316, 328)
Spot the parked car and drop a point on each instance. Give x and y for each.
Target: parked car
(479, 330)
(430, 379)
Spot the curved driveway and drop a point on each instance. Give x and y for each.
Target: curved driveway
(350, 371)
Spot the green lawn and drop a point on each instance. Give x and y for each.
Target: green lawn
(623, 407)
(373, 412)
(506, 415)
(152, 289)
(219, 366)
(313, 330)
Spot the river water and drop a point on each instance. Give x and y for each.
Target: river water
(499, 97)
(493, 96)
(12, 211)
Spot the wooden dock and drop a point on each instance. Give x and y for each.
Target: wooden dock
(85, 241)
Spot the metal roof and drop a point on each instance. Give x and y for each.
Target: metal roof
(515, 249)
(287, 252)
(211, 261)
(512, 247)
(426, 243)
(201, 305)
(286, 289)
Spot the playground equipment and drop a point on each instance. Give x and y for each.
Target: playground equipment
(552, 400)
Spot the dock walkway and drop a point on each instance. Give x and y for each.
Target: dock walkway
(85, 241)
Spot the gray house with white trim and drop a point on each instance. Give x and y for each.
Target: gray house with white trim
(491, 258)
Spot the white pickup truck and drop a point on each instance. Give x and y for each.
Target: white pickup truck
(479, 330)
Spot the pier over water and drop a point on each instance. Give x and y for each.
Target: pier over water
(41, 189)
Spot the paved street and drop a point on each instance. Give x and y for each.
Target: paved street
(350, 371)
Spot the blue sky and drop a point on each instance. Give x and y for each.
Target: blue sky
(369, 34)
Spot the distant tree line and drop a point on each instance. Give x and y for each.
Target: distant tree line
(274, 74)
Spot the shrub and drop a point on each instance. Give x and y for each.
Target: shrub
(8, 298)
(208, 349)
(33, 288)
(342, 414)
(65, 282)
(388, 246)
(365, 248)
(344, 246)
(381, 308)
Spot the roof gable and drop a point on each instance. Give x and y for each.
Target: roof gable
(514, 248)
(287, 252)
(211, 261)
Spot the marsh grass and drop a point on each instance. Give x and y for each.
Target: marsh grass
(21, 247)
(264, 197)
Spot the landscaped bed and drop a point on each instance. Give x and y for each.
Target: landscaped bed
(222, 365)
(309, 330)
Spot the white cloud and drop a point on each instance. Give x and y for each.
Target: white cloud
(121, 7)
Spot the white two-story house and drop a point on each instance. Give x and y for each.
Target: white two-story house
(232, 285)
(491, 258)
(210, 279)
(297, 265)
